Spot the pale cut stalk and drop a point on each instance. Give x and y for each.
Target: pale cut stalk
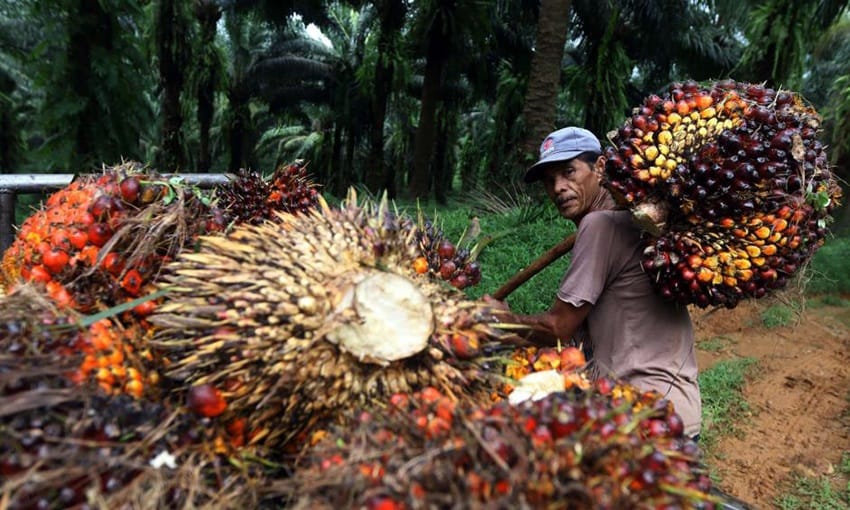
(393, 319)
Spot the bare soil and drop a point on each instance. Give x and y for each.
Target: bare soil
(798, 423)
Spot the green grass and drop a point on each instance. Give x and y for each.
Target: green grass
(513, 239)
(830, 267)
(778, 315)
(715, 344)
(828, 300)
(821, 493)
(722, 402)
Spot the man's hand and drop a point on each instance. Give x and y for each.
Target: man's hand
(497, 305)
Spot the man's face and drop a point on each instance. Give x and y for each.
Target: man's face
(573, 186)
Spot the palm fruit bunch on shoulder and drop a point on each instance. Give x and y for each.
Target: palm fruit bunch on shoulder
(252, 198)
(69, 445)
(97, 245)
(732, 183)
(444, 259)
(577, 449)
(285, 324)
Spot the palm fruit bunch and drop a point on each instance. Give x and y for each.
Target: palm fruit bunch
(444, 259)
(285, 324)
(532, 359)
(252, 198)
(99, 241)
(96, 247)
(67, 445)
(731, 181)
(608, 447)
(105, 350)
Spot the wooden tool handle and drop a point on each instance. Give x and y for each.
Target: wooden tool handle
(553, 254)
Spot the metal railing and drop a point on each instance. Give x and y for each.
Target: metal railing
(12, 185)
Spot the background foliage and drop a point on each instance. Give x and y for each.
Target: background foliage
(423, 99)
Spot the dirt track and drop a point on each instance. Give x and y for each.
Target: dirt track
(798, 396)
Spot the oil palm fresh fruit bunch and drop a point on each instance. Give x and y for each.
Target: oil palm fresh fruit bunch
(722, 262)
(578, 449)
(252, 198)
(65, 443)
(733, 183)
(99, 241)
(95, 248)
(288, 323)
(103, 351)
(444, 259)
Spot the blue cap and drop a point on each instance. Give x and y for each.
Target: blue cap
(563, 145)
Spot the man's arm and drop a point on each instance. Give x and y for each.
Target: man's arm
(560, 322)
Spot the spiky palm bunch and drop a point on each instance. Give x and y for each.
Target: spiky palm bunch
(287, 323)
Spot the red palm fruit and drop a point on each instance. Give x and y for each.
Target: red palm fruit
(130, 187)
(572, 358)
(55, 260)
(113, 263)
(447, 269)
(446, 249)
(39, 273)
(99, 234)
(465, 345)
(206, 400)
(460, 281)
(132, 282)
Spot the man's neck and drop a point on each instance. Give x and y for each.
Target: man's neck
(602, 202)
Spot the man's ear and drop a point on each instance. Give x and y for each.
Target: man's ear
(599, 166)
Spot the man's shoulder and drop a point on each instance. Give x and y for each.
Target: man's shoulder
(608, 218)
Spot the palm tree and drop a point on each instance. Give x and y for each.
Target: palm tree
(172, 45)
(247, 39)
(627, 49)
(391, 15)
(780, 34)
(206, 76)
(545, 78)
(443, 26)
(299, 69)
(88, 71)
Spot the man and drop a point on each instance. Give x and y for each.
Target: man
(605, 296)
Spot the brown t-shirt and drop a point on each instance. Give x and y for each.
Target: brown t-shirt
(633, 333)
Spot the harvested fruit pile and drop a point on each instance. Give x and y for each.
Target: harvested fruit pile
(69, 445)
(97, 245)
(732, 181)
(527, 360)
(287, 324)
(609, 447)
(100, 241)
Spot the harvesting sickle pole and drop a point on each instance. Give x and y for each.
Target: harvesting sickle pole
(551, 255)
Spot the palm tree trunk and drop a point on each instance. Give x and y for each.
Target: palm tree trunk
(172, 52)
(335, 177)
(8, 138)
(348, 177)
(238, 95)
(392, 19)
(442, 162)
(238, 132)
(424, 144)
(92, 27)
(545, 77)
(208, 14)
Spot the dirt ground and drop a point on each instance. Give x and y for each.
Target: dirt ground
(799, 418)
